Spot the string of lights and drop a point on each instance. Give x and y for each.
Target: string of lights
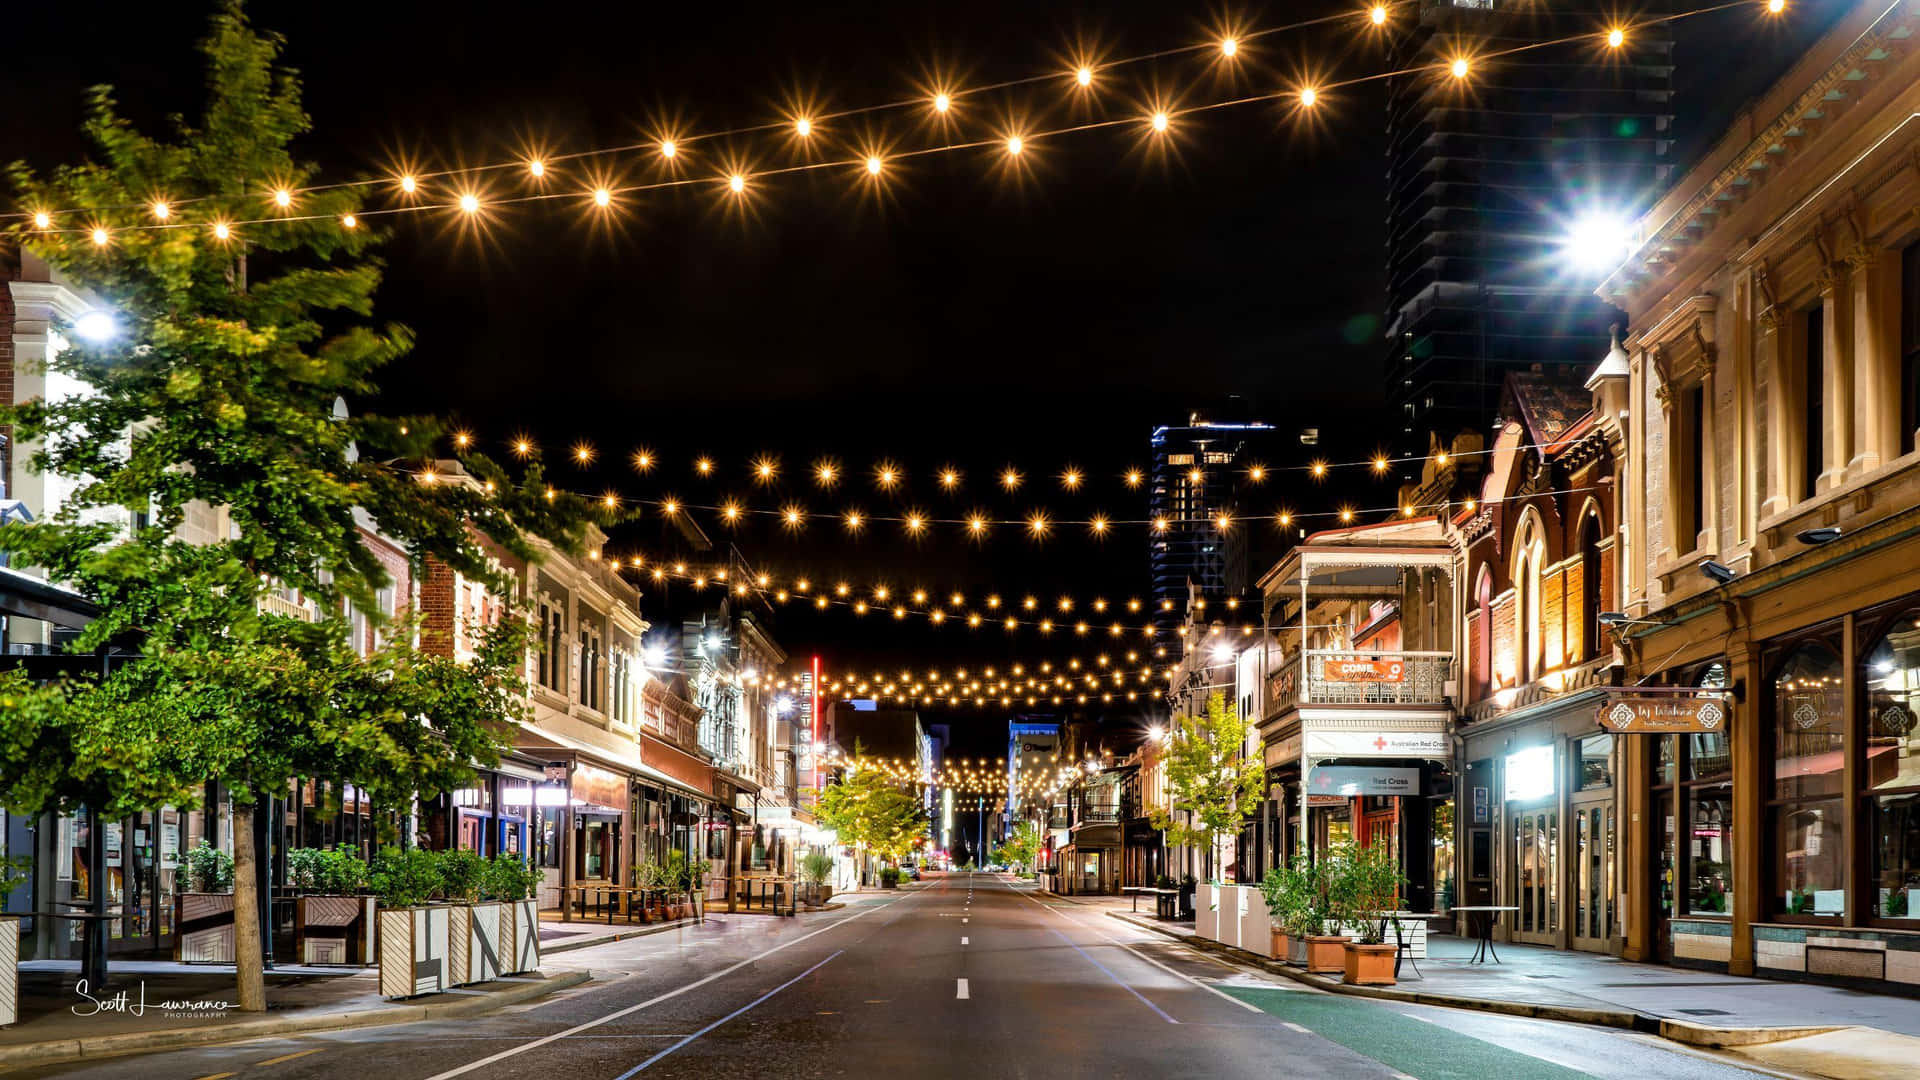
(1039, 525)
(889, 476)
(869, 161)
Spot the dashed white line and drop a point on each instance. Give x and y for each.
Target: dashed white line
(1291, 1026)
(963, 941)
(960, 992)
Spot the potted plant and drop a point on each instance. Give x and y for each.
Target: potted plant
(650, 877)
(1188, 884)
(203, 915)
(335, 913)
(697, 889)
(414, 935)
(1366, 892)
(890, 877)
(816, 867)
(1317, 949)
(14, 871)
(473, 929)
(513, 882)
(674, 876)
(1286, 891)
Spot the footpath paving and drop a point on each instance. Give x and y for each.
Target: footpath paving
(1802, 1028)
(156, 1005)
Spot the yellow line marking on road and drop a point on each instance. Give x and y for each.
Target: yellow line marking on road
(826, 1012)
(215, 1076)
(285, 1057)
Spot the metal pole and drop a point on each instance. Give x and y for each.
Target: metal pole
(95, 939)
(263, 872)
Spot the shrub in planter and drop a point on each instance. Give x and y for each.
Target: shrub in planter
(1365, 891)
(14, 871)
(334, 919)
(473, 935)
(890, 877)
(513, 882)
(414, 938)
(203, 915)
(816, 868)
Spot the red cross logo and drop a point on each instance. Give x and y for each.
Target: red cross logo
(1380, 742)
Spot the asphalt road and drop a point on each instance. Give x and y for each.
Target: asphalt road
(965, 975)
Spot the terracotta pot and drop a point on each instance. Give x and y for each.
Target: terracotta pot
(1280, 944)
(1324, 954)
(1369, 965)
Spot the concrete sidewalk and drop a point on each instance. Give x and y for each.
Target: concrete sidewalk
(161, 1005)
(1805, 1028)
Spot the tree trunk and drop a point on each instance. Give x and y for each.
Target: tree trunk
(248, 960)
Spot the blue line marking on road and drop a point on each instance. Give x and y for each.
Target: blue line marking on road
(1115, 978)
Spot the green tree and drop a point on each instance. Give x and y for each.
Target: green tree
(1022, 848)
(869, 810)
(1212, 783)
(219, 392)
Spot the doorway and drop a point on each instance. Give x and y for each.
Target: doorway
(1535, 884)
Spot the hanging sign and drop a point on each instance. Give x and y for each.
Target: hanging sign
(1365, 671)
(1348, 780)
(1640, 712)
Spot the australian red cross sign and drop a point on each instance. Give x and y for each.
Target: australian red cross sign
(1631, 712)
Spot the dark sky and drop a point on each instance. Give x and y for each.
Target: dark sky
(966, 317)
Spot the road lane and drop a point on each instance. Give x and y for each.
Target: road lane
(963, 976)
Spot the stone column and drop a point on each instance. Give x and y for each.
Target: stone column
(1836, 329)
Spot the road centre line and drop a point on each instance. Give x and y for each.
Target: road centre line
(960, 994)
(963, 941)
(532, 1044)
(729, 1016)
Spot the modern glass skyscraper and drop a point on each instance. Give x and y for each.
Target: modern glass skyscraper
(1194, 469)
(1509, 190)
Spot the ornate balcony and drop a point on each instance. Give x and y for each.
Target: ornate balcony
(1340, 677)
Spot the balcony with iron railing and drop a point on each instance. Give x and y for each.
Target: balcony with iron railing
(1347, 677)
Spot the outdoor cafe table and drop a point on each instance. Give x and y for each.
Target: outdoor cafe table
(1489, 914)
(1159, 897)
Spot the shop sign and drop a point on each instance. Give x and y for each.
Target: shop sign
(1350, 780)
(556, 772)
(1644, 713)
(1423, 744)
(1365, 670)
(600, 787)
(1284, 753)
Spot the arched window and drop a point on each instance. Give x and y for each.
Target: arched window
(1483, 641)
(1529, 551)
(1591, 598)
(1804, 830)
(1893, 772)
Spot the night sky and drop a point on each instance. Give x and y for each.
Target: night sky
(964, 316)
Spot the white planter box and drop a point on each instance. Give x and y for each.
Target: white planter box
(9, 971)
(519, 936)
(1256, 925)
(1206, 912)
(474, 943)
(336, 929)
(414, 946)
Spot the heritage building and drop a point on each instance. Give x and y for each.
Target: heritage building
(1771, 508)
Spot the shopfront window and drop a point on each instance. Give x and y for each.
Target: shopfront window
(1893, 771)
(1596, 762)
(1808, 847)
